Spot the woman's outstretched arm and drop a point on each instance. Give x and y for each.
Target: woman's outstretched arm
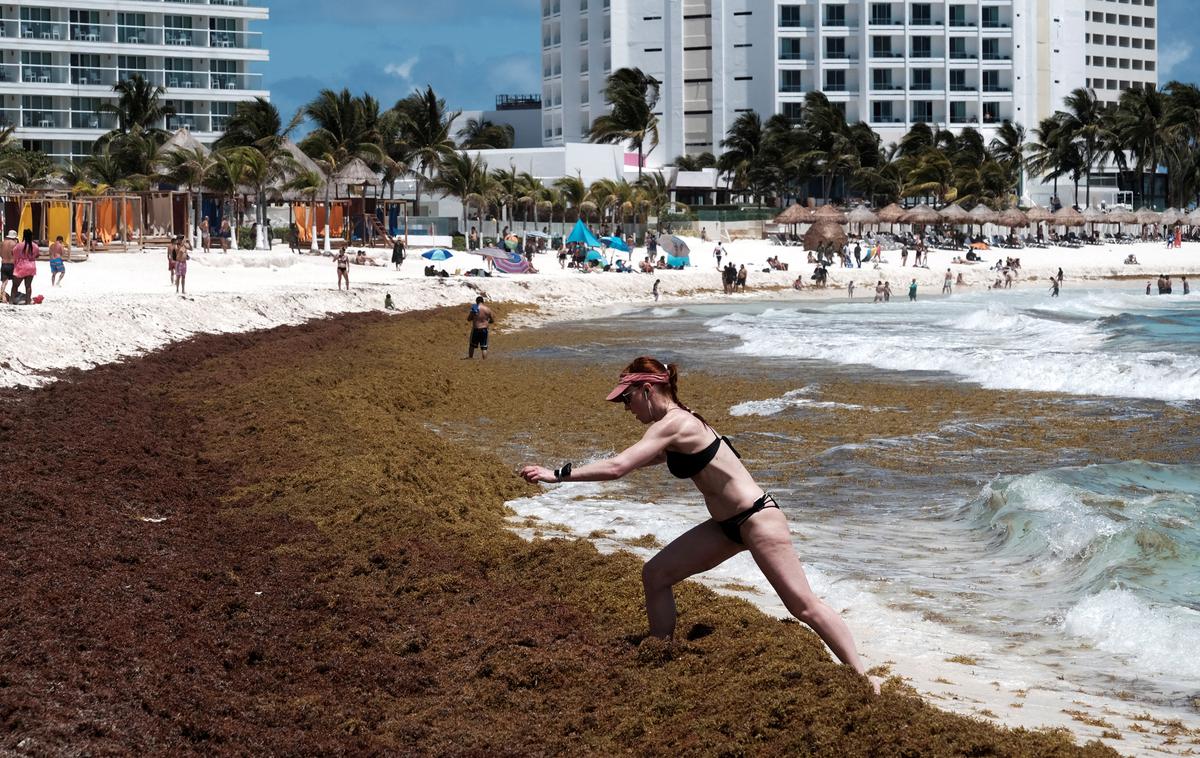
(651, 449)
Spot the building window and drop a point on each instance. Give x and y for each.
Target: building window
(922, 79)
(835, 80)
(881, 13)
(922, 14)
(881, 47)
(835, 47)
(881, 111)
(835, 15)
(791, 81)
(793, 112)
(922, 111)
(789, 49)
(789, 16)
(922, 47)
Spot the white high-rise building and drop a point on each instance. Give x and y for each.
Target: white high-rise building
(61, 59)
(949, 63)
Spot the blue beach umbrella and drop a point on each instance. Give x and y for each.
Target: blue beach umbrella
(594, 255)
(438, 254)
(616, 243)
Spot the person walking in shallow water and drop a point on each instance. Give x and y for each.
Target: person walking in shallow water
(655, 290)
(742, 516)
(1053, 287)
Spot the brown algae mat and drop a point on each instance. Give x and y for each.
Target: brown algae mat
(261, 544)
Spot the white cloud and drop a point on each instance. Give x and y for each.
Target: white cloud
(401, 70)
(1171, 55)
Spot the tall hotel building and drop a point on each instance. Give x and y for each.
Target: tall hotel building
(948, 63)
(61, 59)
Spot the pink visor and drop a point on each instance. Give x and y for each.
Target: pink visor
(628, 380)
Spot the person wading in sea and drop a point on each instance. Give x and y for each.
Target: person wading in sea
(742, 515)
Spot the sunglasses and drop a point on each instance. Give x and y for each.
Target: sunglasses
(626, 397)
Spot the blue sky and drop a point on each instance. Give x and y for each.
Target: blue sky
(472, 50)
(469, 50)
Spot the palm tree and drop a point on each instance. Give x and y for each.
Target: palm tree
(633, 96)
(1007, 148)
(139, 110)
(654, 197)
(188, 167)
(741, 160)
(1182, 131)
(481, 134)
(347, 127)
(464, 176)
(1140, 127)
(1051, 154)
(695, 162)
(425, 124)
(308, 183)
(257, 123)
(1084, 121)
(575, 194)
(506, 188)
(531, 194)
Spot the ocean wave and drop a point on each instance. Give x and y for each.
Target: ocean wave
(1094, 528)
(1156, 638)
(995, 345)
(798, 398)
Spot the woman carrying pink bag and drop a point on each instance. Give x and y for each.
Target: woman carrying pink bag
(25, 258)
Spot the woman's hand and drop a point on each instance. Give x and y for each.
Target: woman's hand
(537, 474)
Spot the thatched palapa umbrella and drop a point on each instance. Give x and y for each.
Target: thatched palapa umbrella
(981, 214)
(1170, 217)
(1068, 216)
(922, 215)
(1193, 218)
(1013, 218)
(1093, 216)
(829, 213)
(862, 216)
(954, 214)
(1036, 215)
(1147, 217)
(1122, 216)
(825, 234)
(892, 214)
(795, 214)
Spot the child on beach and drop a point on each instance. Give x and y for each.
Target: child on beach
(58, 269)
(742, 515)
(655, 290)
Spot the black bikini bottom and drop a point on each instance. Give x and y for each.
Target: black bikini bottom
(732, 527)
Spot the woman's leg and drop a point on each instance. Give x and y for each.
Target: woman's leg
(766, 534)
(698, 549)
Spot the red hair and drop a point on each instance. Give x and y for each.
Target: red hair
(644, 364)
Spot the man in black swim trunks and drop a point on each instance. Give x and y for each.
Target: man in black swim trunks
(481, 318)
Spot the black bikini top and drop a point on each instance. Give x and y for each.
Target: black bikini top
(687, 465)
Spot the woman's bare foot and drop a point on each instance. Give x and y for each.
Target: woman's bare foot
(876, 683)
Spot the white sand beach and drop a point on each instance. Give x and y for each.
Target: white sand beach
(116, 305)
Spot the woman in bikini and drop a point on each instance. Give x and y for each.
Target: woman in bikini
(743, 516)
